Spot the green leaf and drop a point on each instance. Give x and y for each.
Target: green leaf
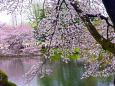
(77, 50)
(56, 56)
(93, 19)
(77, 21)
(63, 37)
(42, 14)
(84, 5)
(108, 52)
(74, 56)
(93, 57)
(35, 27)
(100, 57)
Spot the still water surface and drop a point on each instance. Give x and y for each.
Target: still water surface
(62, 75)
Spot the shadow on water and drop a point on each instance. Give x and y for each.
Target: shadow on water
(62, 75)
(70, 74)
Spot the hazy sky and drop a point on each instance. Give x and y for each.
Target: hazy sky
(4, 18)
(8, 19)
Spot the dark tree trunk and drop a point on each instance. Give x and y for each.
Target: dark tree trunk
(110, 8)
(114, 80)
(107, 44)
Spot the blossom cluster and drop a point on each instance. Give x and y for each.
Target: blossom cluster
(64, 28)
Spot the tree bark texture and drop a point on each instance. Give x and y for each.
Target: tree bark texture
(106, 44)
(110, 8)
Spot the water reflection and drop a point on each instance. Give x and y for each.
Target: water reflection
(16, 68)
(62, 75)
(69, 75)
(16, 64)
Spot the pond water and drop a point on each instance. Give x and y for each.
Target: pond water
(62, 75)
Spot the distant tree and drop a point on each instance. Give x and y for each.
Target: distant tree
(36, 15)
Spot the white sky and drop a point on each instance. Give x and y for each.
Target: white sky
(4, 18)
(7, 19)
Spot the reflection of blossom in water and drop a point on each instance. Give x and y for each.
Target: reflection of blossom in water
(16, 64)
(16, 68)
(39, 69)
(33, 71)
(95, 69)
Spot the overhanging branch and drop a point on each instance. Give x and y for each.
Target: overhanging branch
(102, 18)
(107, 44)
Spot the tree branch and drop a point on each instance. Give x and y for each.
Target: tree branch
(106, 44)
(103, 18)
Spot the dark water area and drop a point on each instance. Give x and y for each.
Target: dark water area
(62, 75)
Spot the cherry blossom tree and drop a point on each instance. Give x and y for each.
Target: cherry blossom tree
(73, 23)
(68, 22)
